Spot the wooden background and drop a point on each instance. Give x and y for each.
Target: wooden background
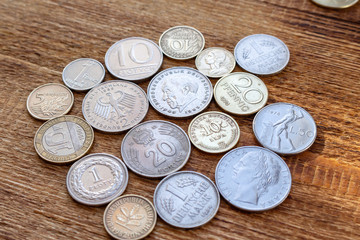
(39, 38)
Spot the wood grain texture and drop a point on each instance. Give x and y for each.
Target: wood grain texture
(39, 38)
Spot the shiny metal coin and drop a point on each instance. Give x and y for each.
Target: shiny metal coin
(284, 128)
(335, 3)
(253, 178)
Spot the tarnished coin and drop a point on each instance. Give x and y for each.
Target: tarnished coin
(186, 199)
(240, 93)
(133, 58)
(215, 62)
(180, 92)
(214, 132)
(262, 54)
(83, 74)
(115, 106)
(335, 3)
(284, 128)
(49, 101)
(130, 217)
(63, 139)
(181, 42)
(253, 178)
(155, 148)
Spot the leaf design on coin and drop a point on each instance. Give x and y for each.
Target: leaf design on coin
(186, 181)
(168, 205)
(131, 217)
(246, 53)
(49, 104)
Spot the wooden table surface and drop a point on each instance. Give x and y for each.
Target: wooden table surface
(40, 37)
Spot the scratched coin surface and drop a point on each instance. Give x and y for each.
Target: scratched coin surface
(241, 93)
(253, 178)
(130, 217)
(214, 132)
(155, 148)
(335, 3)
(83, 74)
(182, 42)
(49, 101)
(63, 139)
(180, 92)
(284, 128)
(186, 199)
(115, 106)
(133, 58)
(97, 179)
(262, 54)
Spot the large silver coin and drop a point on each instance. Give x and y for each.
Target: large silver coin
(262, 54)
(155, 148)
(186, 199)
(253, 178)
(97, 179)
(284, 128)
(180, 92)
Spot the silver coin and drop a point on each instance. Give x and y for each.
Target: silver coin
(253, 178)
(262, 54)
(284, 128)
(155, 148)
(97, 179)
(186, 199)
(180, 92)
(83, 74)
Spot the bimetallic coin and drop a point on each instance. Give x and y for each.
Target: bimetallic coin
(181, 42)
(115, 106)
(83, 74)
(253, 178)
(155, 148)
(63, 139)
(49, 101)
(130, 217)
(180, 92)
(284, 128)
(214, 132)
(262, 54)
(240, 93)
(335, 3)
(133, 58)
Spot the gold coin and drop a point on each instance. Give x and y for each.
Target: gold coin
(63, 139)
(335, 3)
(214, 132)
(130, 217)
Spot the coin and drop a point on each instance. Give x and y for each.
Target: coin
(133, 58)
(130, 217)
(180, 92)
(155, 148)
(284, 128)
(63, 139)
(83, 74)
(335, 3)
(97, 179)
(49, 101)
(215, 62)
(115, 106)
(181, 42)
(262, 54)
(240, 93)
(214, 132)
(253, 178)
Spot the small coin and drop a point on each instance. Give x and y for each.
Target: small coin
(133, 58)
(83, 74)
(180, 92)
(181, 42)
(240, 93)
(215, 62)
(253, 178)
(284, 128)
(262, 54)
(214, 132)
(335, 3)
(63, 139)
(49, 101)
(155, 148)
(130, 217)
(115, 106)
